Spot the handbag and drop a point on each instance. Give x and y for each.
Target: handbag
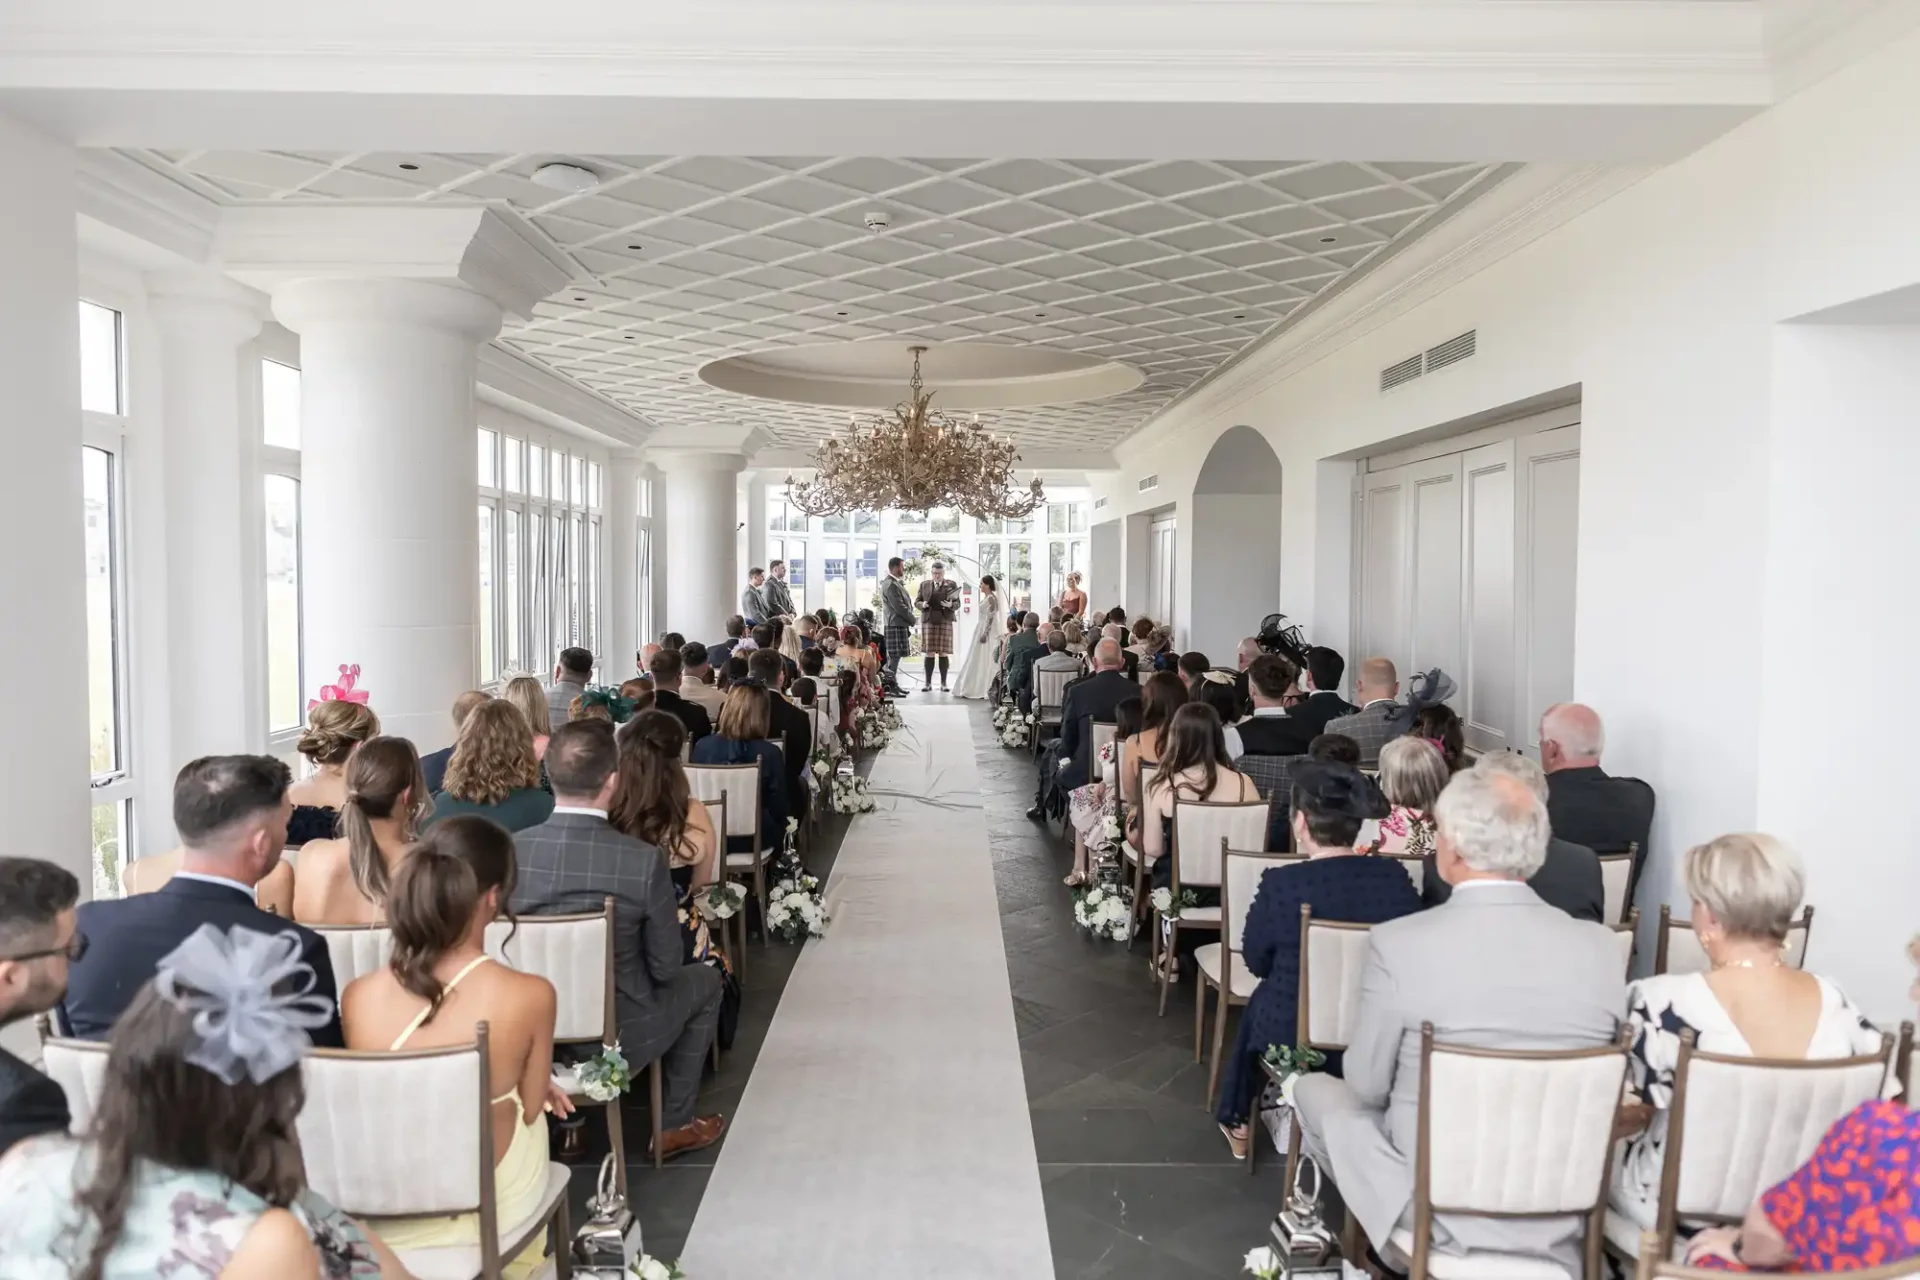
(609, 1240)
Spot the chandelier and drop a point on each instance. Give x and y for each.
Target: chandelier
(918, 459)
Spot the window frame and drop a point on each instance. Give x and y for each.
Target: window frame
(278, 460)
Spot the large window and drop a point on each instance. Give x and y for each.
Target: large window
(103, 397)
(540, 548)
(280, 563)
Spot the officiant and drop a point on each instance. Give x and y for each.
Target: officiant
(939, 604)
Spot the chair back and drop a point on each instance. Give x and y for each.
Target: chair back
(1623, 937)
(717, 816)
(1679, 951)
(1100, 734)
(1241, 870)
(1202, 830)
(79, 1067)
(1050, 689)
(393, 1134)
(1616, 875)
(1518, 1133)
(1653, 1267)
(738, 784)
(355, 949)
(1333, 955)
(575, 954)
(1416, 868)
(1739, 1125)
(1150, 839)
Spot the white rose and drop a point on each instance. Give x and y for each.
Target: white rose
(798, 901)
(652, 1269)
(1162, 899)
(1094, 896)
(1263, 1262)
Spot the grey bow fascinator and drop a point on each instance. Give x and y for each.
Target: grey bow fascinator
(1423, 691)
(250, 998)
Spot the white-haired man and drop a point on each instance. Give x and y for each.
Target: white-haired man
(1569, 877)
(1494, 967)
(1588, 805)
(1094, 697)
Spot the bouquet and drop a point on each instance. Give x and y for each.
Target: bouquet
(1005, 714)
(1169, 906)
(721, 901)
(874, 727)
(1014, 734)
(648, 1267)
(1290, 1064)
(1105, 910)
(605, 1076)
(794, 909)
(848, 794)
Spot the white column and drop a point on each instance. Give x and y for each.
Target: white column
(43, 627)
(757, 552)
(622, 640)
(213, 505)
(701, 518)
(389, 548)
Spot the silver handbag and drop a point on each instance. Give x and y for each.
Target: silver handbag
(1307, 1248)
(609, 1240)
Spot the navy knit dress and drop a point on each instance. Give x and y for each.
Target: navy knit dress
(1359, 890)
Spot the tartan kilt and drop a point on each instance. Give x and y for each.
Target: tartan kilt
(898, 636)
(936, 637)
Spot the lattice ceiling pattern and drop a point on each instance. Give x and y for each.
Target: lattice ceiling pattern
(1172, 266)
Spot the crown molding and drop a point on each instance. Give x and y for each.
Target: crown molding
(1808, 40)
(1520, 210)
(127, 196)
(511, 381)
(708, 448)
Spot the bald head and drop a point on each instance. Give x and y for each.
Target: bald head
(1378, 680)
(1571, 737)
(1115, 632)
(1106, 654)
(1249, 650)
(645, 656)
(1046, 630)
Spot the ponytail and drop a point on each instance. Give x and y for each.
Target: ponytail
(382, 771)
(433, 900)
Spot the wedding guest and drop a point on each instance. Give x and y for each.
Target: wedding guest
(231, 815)
(1073, 601)
(437, 989)
(745, 722)
(1216, 689)
(1161, 696)
(1160, 655)
(1143, 629)
(1413, 773)
(668, 684)
(736, 629)
(1321, 683)
(1192, 665)
(700, 681)
(788, 725)
(1091, 806)
(733, 673)
(273, 893)
(1589, 805)
(582, 709)
(571, 676)
(1023, 650)
(493, 772)
(1273, 729)
(1746, 890)
(644, 656)
(786, 638)
(674, 640)
(334, 732)
(1067, 762)
(1439, 724)
(191, 1163)
(1328, 805)
(779, 600)
(576, 860)
(1569, 878)
(1074, 638)
(753, 597)
(344, 880)
(525, 693)
(654, 804)
(1373, 725)
(1194, 765)
(433, 765)
(1130, 661)
(766, 639)
(38, 936)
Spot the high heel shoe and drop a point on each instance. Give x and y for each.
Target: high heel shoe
(1075, 879)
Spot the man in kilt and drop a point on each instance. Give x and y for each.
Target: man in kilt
(897, 625)
(939, 602)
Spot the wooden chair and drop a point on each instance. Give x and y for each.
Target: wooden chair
(1333, 954)
(1652, 1267)
(1903, 1065)
(1738, 1126)
(1202, 832)
(1511, 1134)
(1624, 934)
(355, 949)
(1679, 951)
(1416, 868)
(739, 785)
(1219, 964)
(717, 874)
(1135, 857)
(1049, 696)
(1616, 879)
(79, 1067)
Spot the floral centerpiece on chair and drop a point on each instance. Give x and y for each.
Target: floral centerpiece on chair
(721, 901)
(606, 1075)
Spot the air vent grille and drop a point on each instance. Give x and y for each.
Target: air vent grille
(1149, 482)
(1452, 351)
(1098, 503)
(1396, 374)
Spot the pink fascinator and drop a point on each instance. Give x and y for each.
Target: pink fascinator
(344, 691)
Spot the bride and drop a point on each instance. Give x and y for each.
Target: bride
(981, 662)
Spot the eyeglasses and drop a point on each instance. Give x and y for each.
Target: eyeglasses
(75, 949)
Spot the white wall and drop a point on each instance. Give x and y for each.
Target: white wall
(1661, 305)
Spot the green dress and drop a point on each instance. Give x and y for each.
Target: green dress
(526, 807)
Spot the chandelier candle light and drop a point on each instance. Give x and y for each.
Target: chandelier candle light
(917, 460)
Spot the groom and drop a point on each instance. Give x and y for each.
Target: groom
(897, 623)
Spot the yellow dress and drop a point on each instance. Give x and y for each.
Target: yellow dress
(519, 1182)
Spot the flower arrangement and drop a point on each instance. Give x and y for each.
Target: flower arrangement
(1263, 1262)
(875, 725)
(721, 901)
(648, 1267)
(1169, 906)
(1105, 910)
(606, 1075)
(848, 794)
(1290, 1063)
(794, 909)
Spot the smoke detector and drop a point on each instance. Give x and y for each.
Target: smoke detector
(566, 177)
(877, 220)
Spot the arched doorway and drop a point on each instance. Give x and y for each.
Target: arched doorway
(1235, 543)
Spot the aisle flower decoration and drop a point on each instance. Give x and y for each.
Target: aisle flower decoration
(648, 1267)
(344, 691)
(721, 901)
(1169, 906)
(606, 1075)
(1010, 725)
(794, 909)
(1105, 910)
(848, 794)
(873, 727)
(1263, 1262)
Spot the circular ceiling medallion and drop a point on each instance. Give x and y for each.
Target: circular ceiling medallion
(965, 375)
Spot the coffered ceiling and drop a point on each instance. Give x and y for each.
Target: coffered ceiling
(1174, 267)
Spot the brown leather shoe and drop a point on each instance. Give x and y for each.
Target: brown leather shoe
(703, 1132)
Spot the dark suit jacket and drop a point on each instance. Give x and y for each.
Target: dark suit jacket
(1275, 735)
(1092, 698)
(1590, 807)
(128, 937)
(1318, 710)
(30, 1104)
(794, 728)
(433, 768)
(691, 714)
(1569, 880)
(1022, 650)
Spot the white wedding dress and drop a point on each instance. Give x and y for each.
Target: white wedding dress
(981, 661)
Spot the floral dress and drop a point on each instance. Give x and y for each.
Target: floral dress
(181, 1224)
(1405, 831)
(1094, 809)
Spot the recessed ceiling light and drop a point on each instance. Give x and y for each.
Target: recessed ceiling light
(1328, 239)
(566, 177)
(579, 297)
(633, 246)
(409, 167)
(1039, 315)
(1241, 316)
(840, 313)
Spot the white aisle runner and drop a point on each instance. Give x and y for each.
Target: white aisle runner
(884, 1131)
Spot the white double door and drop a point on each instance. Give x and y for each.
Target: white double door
(1467, 562)
(1160, 552)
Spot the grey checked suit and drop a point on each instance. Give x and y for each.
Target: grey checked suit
(1493, 967)
(1371, 727)
(568, 865)
(560, 696)
(778, 599)
(753, 604)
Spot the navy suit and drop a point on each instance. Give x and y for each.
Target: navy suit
(30, 1104)
(128, 937)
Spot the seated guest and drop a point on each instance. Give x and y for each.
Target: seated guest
(805, 626)
(1130, 660)
(745, 722)
(344, 881)
(1492, 968)
(1244, 655)
(654, 805)
(674, 640)
(1272, 729)
(1160, 655)
(668, 682)
(582, 709)
(1142, 631)
(1194, 765)
(1321, 685)
(1023, 650)
(1373, 725)
(1057, 657)
(1274, 776)
(766, 639)
(1413, 773)
(1328, 805)
(736, 632)
(1067, 763)
(1090, 806)
(699, 683)
(493, 772)
(231, 815)
(525, 693)
(1192, 665)
(38, 935)
(1746, 890)
(571, 676)
(813, 663)
(334, 732)
(1440, 725)
(1161, 696)
(1569, 878)
(576, 860)
(644, 657)
(805, 690)
(1074, 637)
(788, 725)
(1215, 688)
(1117, 617)
(433, 765)
(273, 894)
(733, 673)
(438, 988)
(191, 1163)
(787, 640)
(1590, 806)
